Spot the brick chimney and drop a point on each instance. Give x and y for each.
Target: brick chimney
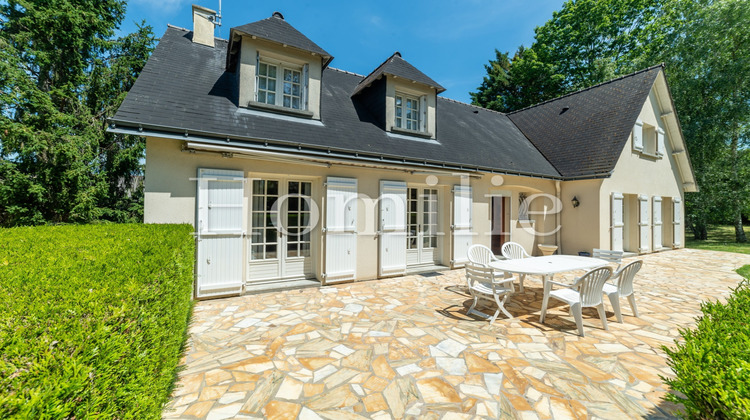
(203, 25)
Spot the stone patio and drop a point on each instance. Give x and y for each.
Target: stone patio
(404, 347)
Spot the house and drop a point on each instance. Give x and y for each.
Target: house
(293, 171)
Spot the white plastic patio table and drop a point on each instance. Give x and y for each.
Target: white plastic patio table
(547, 267)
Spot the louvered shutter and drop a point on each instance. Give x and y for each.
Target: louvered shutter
(461, 227)
(644, 224)
(638, 135)
(659, 142)
(423, 112)
(657, 223)
(305, 91)
(617, 221)
(677, 222)
(340, 230)
(392, 235)
(219, 225)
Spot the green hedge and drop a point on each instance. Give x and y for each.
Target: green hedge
(712, 366)
(93, 319)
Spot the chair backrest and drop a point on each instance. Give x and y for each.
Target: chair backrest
(627, 274)
(480, 254)
(611, 256)
(478, 273)
(591, 285)
(513, 251)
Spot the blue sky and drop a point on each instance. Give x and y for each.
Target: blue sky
(450, 41)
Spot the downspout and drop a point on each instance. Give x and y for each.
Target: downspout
(558, 218)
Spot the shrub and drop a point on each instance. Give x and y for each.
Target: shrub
(712, 366)
(92, 319)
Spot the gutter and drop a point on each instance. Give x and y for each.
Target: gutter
(296, 148)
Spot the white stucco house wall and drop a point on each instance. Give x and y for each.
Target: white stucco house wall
(295, 172)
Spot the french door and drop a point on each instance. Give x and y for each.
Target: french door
(280, 230)
(421, 226)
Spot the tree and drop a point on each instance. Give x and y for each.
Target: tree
(710, 79)
(705, 46)
(62, 73)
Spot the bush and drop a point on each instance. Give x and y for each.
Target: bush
(712, 366)
(93, 319)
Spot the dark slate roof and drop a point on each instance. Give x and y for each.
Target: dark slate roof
(397, 66)
(201, 100)
(278, 30)
(583, 134)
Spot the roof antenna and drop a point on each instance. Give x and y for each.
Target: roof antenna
(217, 19)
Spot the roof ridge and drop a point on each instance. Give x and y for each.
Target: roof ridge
(345, 71)
(471, 105)
(589, 88)
(169, 25)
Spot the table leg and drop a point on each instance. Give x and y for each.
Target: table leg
(547, 287)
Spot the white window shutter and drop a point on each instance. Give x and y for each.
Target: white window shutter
(659, 142)
(617, 221)
(341, 229)
(644, 224)
(257, 76)
(677, 222)
(657, 229)
(638, 135)
(220, 244)
(392, 235)
(462, 203)
(306, 78)
(423, 113)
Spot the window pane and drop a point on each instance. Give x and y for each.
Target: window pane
(262, 83)
(305, 219)
(291, 250)
(272, 85)
(287, 102)
(398, 112)
(263, 69)
(306, 237)
(258, 219)
(306, 188)
(287, 74)
(292, 220)
(258, 185)
(305, 249)
(287, 88)
(295, 90)
(270, 251)
(293, 187)
(271, 98)
(262, 97)
(271, 235)
(295, 103)
(433, 242)
(270, 219)
(293, 203)
(412, 243)
(398, 101)
(273, 188)
(295, 76)
(257, 252)
(257, 203)
(398, 122)
(272, 72)
(270, 202)
(257, 236)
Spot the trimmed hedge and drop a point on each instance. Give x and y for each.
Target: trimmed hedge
(93, 319)
(712, 366)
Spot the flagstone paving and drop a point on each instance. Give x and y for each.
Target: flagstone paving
(404, 347)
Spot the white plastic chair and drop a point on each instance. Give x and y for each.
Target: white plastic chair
(614, 257)
(623, 288)
(514, 251)
(480, 254)
(483, 284)
(584, 293)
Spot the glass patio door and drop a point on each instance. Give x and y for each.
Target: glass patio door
(421, 226)
(280, 230)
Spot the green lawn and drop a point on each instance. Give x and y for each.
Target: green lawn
(720, 238)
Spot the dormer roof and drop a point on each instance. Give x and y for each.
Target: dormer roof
(397, 66)
(274, 29)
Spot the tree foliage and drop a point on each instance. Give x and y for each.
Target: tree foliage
(62, 74)
(705, 45)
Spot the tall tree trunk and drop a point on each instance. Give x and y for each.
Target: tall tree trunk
(739, 232)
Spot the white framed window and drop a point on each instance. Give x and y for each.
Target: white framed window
(281, 84)
(408, 114)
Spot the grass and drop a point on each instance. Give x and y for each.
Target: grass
(720, 238)
(93, 319)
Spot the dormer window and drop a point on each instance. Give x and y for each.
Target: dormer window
(407, 112)
(287, 92)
